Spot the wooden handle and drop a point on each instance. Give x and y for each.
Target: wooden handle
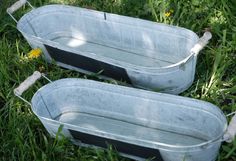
(202, 42)
(16, 6)
(27, 83)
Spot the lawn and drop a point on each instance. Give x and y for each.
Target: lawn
(23, 137)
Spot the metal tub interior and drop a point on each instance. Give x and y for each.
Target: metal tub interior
(144, 53)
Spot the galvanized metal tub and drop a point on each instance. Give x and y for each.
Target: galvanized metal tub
(139, 123)
(143, 53)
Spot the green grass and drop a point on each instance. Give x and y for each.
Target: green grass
(23, 137)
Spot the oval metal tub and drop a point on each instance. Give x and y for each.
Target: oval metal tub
(138, 123)
(143, 53)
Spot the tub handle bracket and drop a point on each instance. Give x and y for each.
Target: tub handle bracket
(27, 83)
(17, 5)
(202, 42)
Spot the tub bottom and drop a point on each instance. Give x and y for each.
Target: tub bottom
(127, 130)
(131, 57)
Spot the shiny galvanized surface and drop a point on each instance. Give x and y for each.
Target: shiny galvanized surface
(181, 128)
(155, 56)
